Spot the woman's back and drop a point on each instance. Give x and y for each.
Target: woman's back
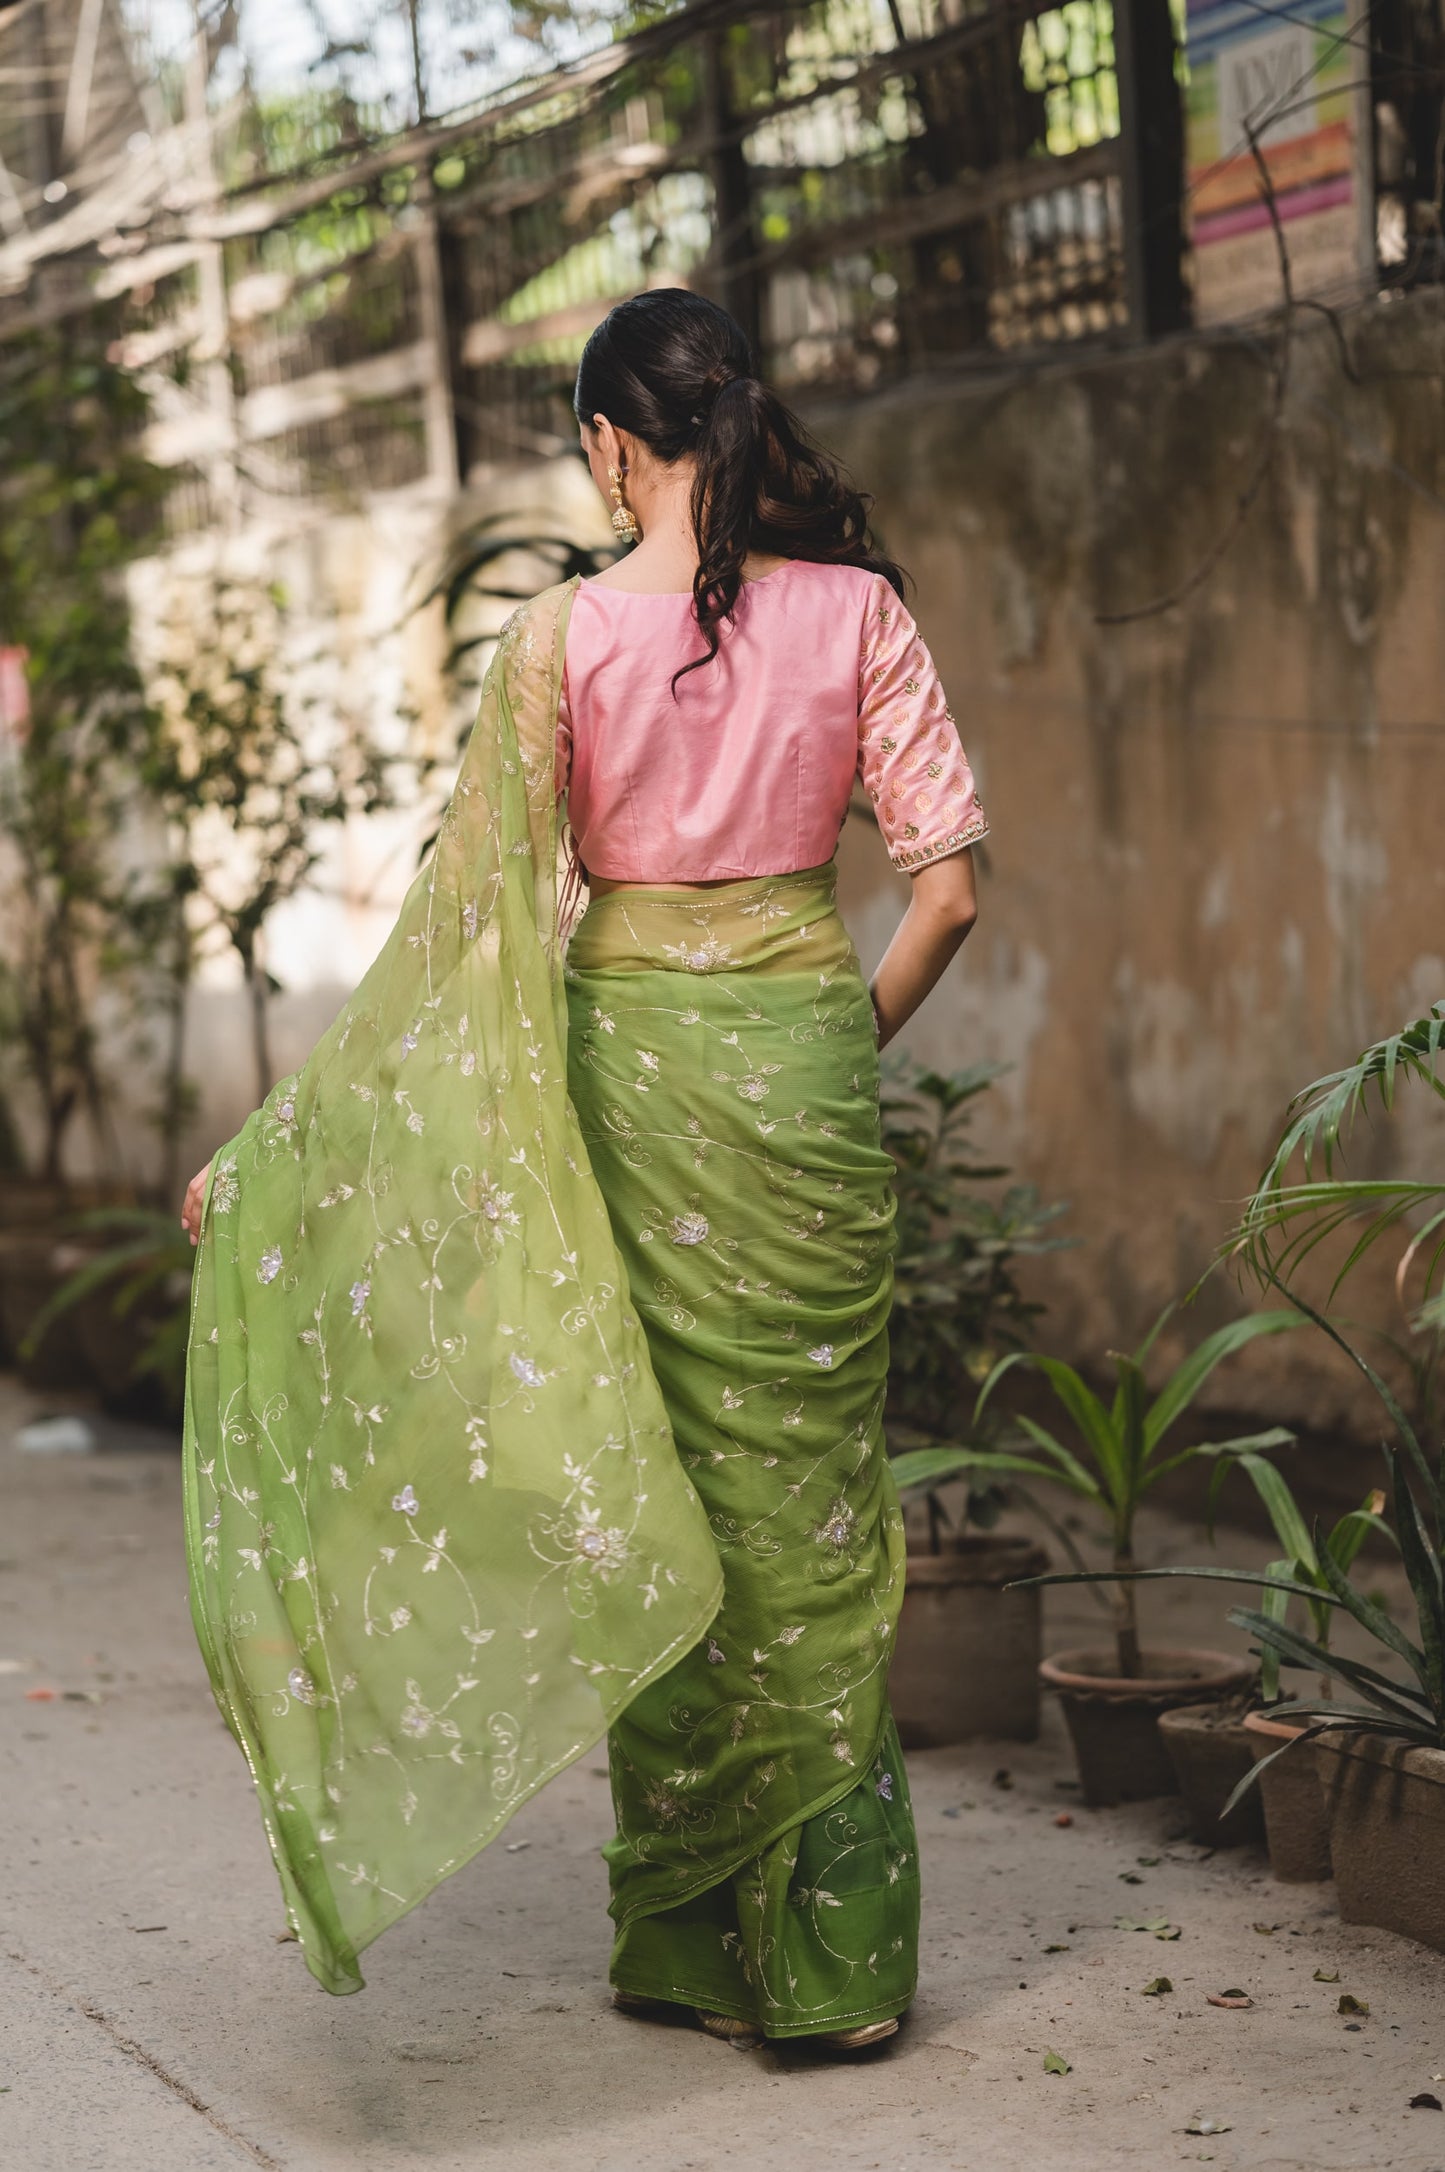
(747, 768)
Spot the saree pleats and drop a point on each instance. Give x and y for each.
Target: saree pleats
(723, 1066)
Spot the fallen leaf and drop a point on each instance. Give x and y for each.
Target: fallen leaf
(1233, 1997)
(1064, 1817)
(287, 1938)
(1327, 1975)
(1130, 1877)
(1056, 2063)
(1157, 1926)
(1349, 2004)
(1150, 1862)
(1157, 1988)
(515, 1847)
(1208, 2126)
(1058, 1949)
(1265, 1930)
(40, 1696)
(141, 1928)
(1003, 1777)
(1425, 2102)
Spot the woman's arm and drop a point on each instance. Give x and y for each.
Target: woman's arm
(942, 909)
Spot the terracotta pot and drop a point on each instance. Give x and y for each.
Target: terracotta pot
(966, 1660)
(1113, 1720)
(1211, 1750)
(1385, 1803)
(1294, 1808)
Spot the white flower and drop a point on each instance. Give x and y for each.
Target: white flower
(688, 1229)
(360, 1291)
(301, 1686)
(527, 1370)
(646, 1058)
(838, 1528)
(225, 1190)
(469, 920)
(708, 953)
(415, 1721)
(605, 1548)
(286, 1111)
(496, 1204)
(400, 1616)
(753, 1089)
(602, 1022)
(716, 1656)
(823, 1355)
(405, 1503)
(269, 1264)
(214, 1518)
(408, 1043)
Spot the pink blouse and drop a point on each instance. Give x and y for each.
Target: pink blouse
(821, 678)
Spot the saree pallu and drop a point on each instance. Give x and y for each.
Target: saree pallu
(437, 1532)
(723, 1065)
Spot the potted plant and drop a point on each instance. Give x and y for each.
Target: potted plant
(1112, 1698)
(1213, 1748)
(1381, 1755)
(965, 1662)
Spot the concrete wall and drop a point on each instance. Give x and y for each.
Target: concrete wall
(1215, 871)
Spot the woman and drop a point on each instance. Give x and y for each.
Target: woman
(540, 1329)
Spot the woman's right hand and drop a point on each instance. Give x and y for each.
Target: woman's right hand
(194, 1201)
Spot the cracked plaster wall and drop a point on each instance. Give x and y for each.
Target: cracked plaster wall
(1215, 869)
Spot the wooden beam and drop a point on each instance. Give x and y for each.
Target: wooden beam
(272, 409)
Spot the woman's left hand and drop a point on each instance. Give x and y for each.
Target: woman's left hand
(194, 1201)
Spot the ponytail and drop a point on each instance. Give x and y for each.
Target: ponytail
(676, 371)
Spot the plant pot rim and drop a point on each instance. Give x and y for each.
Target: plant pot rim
(1391, 1751)
(1205, 1712)
(1278, 1730)
(987, 1557)
(1182, 1673)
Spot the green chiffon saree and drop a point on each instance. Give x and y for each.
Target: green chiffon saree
(536, 1370)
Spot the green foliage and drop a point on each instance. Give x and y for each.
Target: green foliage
(145, 1271)
(957, 1305)
(1305, 1553)
(1285, 1222)
(1116, 1450)
(247, 765)
(77, 500)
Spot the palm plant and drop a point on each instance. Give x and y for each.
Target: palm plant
(1305, 1552)
(1119, 1450)
(1281, 1227)
(1284, 1222)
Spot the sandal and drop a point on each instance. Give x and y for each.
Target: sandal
(742, 2035)
(851, 2040)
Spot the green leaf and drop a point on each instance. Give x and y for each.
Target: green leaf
(1056, 2063)
(1185, 1382)
(1349, 2004)
(1157, 1989)
(1327, 1975)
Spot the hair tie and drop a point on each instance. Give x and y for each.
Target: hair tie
(720, 375)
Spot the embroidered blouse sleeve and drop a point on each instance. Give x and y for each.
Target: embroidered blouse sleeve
(910, 758)
(563, 757)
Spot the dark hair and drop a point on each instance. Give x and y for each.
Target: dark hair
(675, 371)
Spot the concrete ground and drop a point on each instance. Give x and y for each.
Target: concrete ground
(150, 2021)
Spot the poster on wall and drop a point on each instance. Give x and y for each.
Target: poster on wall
(1292, 78)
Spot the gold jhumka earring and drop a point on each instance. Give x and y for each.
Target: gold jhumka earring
(624, 520)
